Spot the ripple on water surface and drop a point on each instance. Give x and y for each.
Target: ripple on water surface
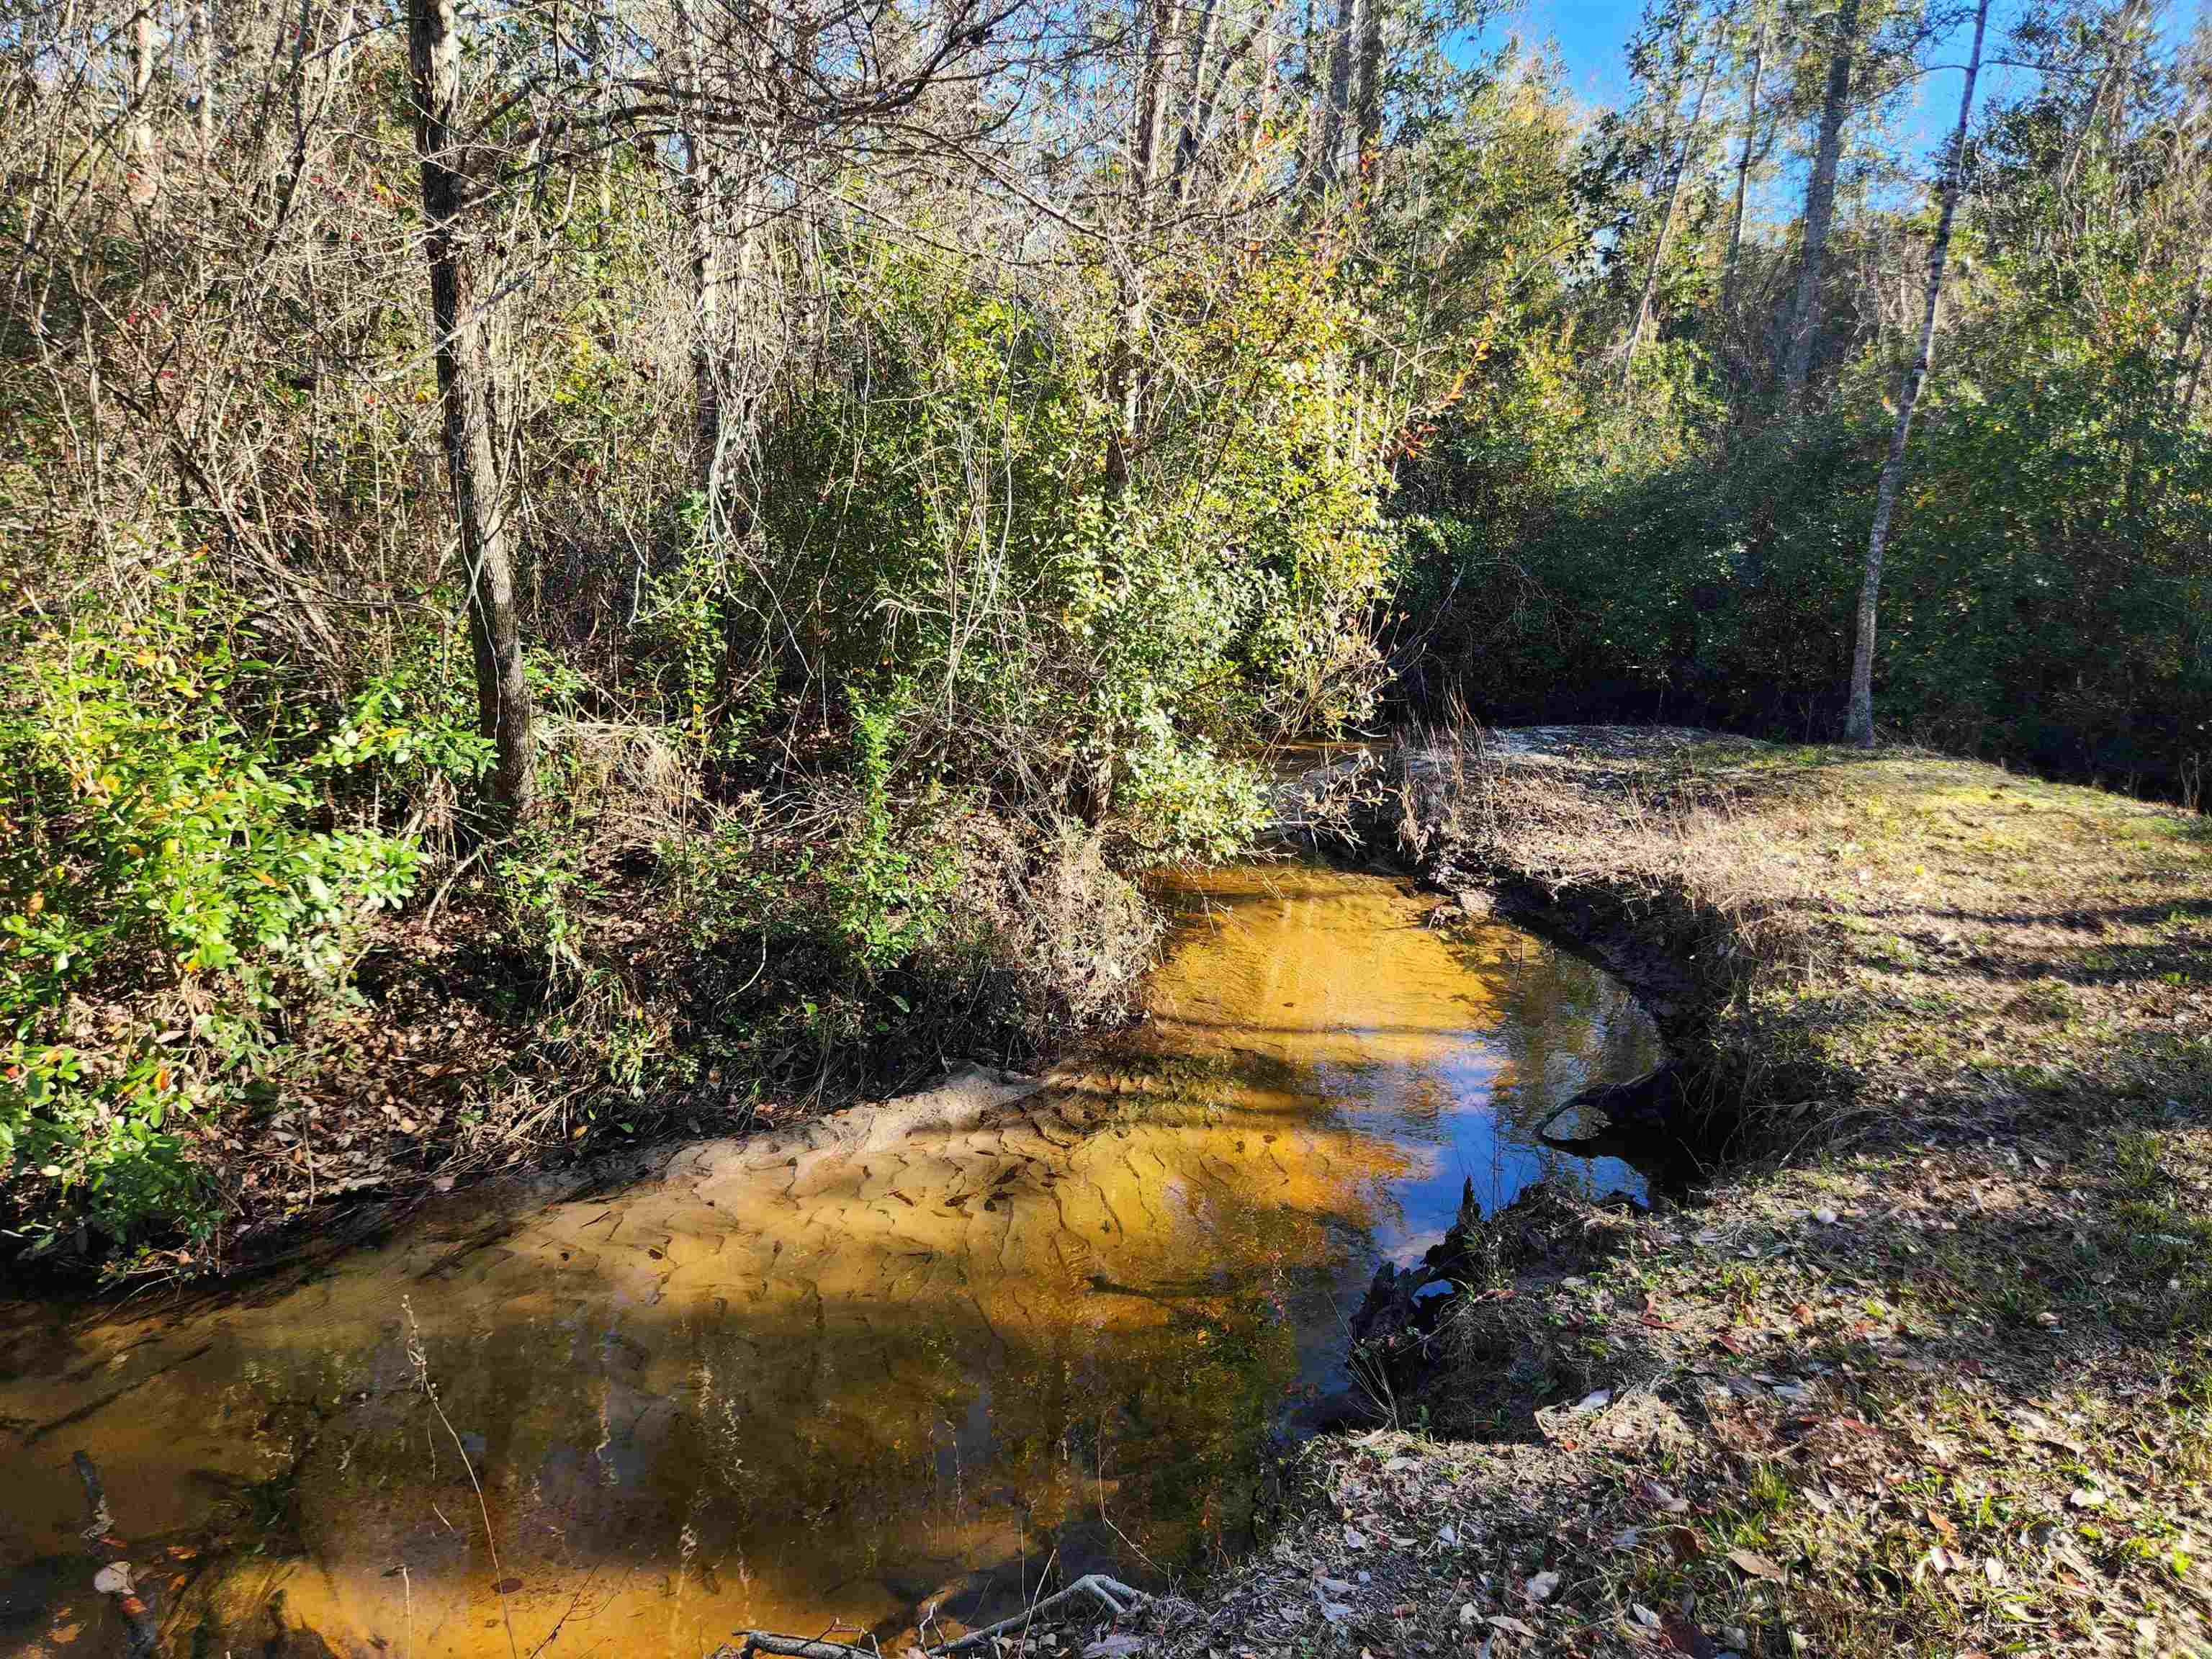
(907, 1355)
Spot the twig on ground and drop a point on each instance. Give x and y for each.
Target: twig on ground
(1116, 1597)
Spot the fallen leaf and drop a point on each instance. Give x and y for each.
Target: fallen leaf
(1754, 1564)
(1655, 1493)
(1542, 1587)
(1686, 1637)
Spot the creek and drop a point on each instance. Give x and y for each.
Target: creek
(912, 1356)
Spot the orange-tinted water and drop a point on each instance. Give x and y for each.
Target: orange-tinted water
(911, 1358)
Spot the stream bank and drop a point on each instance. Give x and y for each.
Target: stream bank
(890, 1367)
(1922, 1370)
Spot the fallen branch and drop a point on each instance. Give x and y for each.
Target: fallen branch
(1116, 1597)
(795, 1647)
(114, 1577)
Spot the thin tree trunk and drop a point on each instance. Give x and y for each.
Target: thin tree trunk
(1261, 35)
(1860, 728)
(145, 167)
(700, 196)
(1820, 211)
(1734, 260)
(2184, 334)
(698, 200)
(1367, 99)
(1329, 163)
(203, 112)
(434, 61)
(1193, 112)
(1677, 173)
(1122, 390)
(2116, 63)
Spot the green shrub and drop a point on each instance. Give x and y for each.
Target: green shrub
(166, 905)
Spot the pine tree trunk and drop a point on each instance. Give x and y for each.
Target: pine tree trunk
(1330, 162)
(1820, 211)
(1734, 260)
(1681, 167)
(1860, 726)
(1367, 99)
(434, 61)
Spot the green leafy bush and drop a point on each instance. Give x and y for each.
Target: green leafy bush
(168, 903)
(1076, 616)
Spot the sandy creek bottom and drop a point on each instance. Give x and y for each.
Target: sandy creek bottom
(906, 1356)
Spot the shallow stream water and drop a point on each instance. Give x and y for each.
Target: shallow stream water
(912, 1357)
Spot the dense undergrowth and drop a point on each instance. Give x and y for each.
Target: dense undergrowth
(747, 652)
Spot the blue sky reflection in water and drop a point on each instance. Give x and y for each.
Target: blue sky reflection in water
(1453, 1047)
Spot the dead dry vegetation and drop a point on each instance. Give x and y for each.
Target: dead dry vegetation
(1924, 1369)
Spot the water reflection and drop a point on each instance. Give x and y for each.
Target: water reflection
(913, 1358)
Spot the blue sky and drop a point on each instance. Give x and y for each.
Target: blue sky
(1592, 35)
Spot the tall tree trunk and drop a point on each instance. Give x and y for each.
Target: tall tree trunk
(434, 62)
(1676, 174)
(145, 179)
(1820, 211)
(2184, 335)
(1122, 390)
(1329, 163)
(1194, 112)
(2118, 49)
(1730, 267)
(698, 200)
(1860, 728)
(203, 109)
(1367, 99)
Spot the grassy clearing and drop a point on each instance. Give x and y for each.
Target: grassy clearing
(1926, 1370)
